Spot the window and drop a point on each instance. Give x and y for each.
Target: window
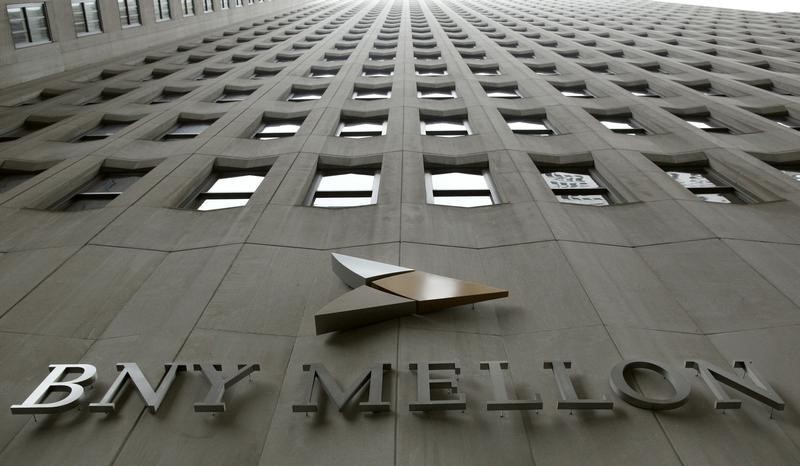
(209, 74)
(188, 7)
(708, 89)
(167, 96)
(27, 128)
(223, 190)
(792, 171)
(232, 95)
(10, 179)
(186, 129)
(445, 127)
(102, 189)
(102, 97)
(599, 69)
(706, 123)
(29, 25)
(372, 94)
(238, 3)
(485, 71)
(129, 13)
(278, 128)
(576, 186)
(622, 125)
(502, 92)
(259, 73)
(547, 70)
(436, 93)
(643, 91)
(784, 120)
(359, 129)
(323, 73)
(471, 188)
(208, 6)
(102, 131)
(431, 71)
(705, 185)
(579, 92)
(162, 10)
(303, 95)
(86, 17)
(331, 189)
(224, 4)
(529, 125)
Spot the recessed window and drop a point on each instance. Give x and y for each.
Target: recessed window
(345, 189)
(784, 120)
(274, 128)
(12, 178)
(186, 129)
(303, 95)
(361, 128)
(436, 93)
(86, 17)
(209, 74)
(223, 190)
(372, 94)
(622, 125)
(708, 89)
(643, 91)
(322, 73)
(707, 124)
(27, 128)
(129, 13)
(102, 189)
(167, 96)
(188, 7)
(162, 11)
(579, 92)
(705, 185)
(260, 73)
(28, 23)
(372, 72)
(576, 186)
(471, 188)
(502, 92)
(599, 69)
(544, 70)
(430, 71)
(104, 130)
(427, 55)
(208, 6)
(538, 126)
(224, 4)
(485, 71)
(445, 127)
(792, 171)
(231, 95)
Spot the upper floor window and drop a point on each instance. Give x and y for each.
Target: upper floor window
(224, 4)
(188, 7)
(785, 120)
(129, 13)
(378, 72)
(576, 186)
(792, 171)
(705, 184)
(274, 128)
(208, 6)
(233, 95)
(707, 124)
(28, 24)
(622, 125)
(502, 92)
(223, 190)
(186, 129)
(436, 93)
(167, 96)
(86, 17)
(12, 178)
(360, 93)
(467, 188)
(162, 10)
(25, 129)
(529, 125)
(344, 189)
(302, 95)
(544, 70)
(102, 189)
(485, 71)
(102, 131)
(445, 127)
(238, 3)
(361, 128)
(643, 91)
(580, 92)
(430, 70)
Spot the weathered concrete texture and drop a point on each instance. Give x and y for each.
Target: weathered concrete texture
(658, 274)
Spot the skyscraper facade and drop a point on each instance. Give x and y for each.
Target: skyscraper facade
(176, 174)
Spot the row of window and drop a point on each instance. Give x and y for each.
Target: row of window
(30, 25)
(335, 188)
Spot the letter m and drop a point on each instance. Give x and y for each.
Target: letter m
(373, 377)
(755, 387)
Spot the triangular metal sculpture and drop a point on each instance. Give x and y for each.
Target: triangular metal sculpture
(385, 291)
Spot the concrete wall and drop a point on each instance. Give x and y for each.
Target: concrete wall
(659, 275)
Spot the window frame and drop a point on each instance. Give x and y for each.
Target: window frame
(82, 4)
(266, 122)
(126, 4)
(185, 7)
(26, 24)
(602, 190)
(314, 193)
(208, 6)
(159, 13)
(343, 123)
(79, 194)
(170, 135)
(721, 186)
(431, 194)
(635, 130)
(201, 194)
(425, 121)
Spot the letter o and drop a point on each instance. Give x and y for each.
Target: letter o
(633, 397)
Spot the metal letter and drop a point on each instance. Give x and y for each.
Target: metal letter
(219, 383)
(372, 377)
(632, 396)
(131, 371)
(756, 388)
(568, 399)
(425, 383)
(53, 383)
(501, 401)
